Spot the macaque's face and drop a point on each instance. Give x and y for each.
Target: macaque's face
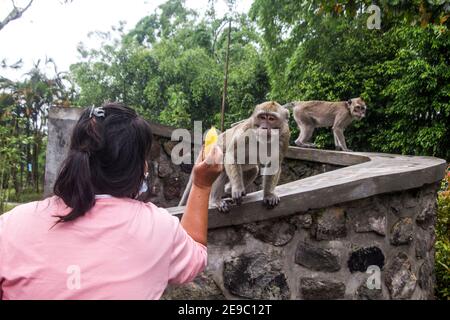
(266, 121)
(268, 116)
(358, 108)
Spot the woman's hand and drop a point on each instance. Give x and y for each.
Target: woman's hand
(206, 172)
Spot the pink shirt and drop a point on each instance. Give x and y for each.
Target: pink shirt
(120, 249)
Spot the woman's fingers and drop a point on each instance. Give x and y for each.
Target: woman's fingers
(201, 155)
(218, 157)
(215, 156)
(206, 172)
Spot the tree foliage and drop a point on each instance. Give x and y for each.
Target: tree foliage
(23, 124)
(323, 50)
(170, 67)
(443, 241)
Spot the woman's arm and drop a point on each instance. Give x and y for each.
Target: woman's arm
(195, 217)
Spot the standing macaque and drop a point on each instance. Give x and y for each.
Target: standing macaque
(241, 145)
(317, 114)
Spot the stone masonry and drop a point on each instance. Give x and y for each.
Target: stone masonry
(326, 253)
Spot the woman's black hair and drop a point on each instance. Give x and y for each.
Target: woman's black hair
(107, 155)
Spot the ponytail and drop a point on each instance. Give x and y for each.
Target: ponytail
(74, 185)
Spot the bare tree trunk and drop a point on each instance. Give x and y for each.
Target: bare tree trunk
(225, 82)
(35, 163)
(15, 180)
(29, 176)
(2, 198)
(21, 174)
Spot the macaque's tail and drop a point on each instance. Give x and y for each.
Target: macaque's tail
(186, 192)
(289, 105)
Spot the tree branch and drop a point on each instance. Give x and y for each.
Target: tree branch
(15, 13)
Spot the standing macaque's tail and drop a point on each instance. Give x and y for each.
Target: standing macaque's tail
(186, 192)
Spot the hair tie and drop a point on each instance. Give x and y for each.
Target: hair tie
(98, 112)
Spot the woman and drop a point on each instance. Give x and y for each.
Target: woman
(93, 239)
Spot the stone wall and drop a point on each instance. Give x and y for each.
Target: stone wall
(325, 253)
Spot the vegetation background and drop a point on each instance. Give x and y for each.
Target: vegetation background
(170, 67)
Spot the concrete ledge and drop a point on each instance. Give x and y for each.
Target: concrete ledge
(65, 113)
(370, 174)
(161, 129)
(326, 156)
(73, 113)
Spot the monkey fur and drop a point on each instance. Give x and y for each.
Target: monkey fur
(238, 176)
(316, 114)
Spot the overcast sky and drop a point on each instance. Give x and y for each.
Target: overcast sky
(54, 29)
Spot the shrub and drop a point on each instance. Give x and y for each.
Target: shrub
(443, 241)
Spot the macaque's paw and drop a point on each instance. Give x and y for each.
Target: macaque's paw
(298, 143)
(271, 200)
(305, 144)
(223, 206)
(237, 194)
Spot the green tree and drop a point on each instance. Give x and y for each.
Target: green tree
(170, 67)
(23, 123)
(324, 50)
